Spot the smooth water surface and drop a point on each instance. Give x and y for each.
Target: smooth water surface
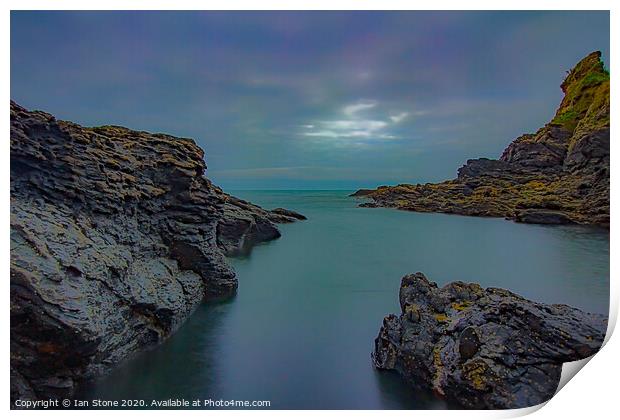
(301, 329)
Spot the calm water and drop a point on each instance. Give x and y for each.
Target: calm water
(300, 331)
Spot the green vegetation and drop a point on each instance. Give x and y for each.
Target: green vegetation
(566, 118)
(593, 79)
(586, 97)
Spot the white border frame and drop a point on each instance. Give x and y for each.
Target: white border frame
(592, 395)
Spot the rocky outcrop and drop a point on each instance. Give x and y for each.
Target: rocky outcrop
(483, 348)
(245, 224)
(563, 168)
(116, 236)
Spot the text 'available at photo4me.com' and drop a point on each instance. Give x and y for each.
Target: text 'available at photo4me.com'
(54, 403)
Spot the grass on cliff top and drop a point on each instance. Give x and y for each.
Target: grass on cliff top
(586, 100)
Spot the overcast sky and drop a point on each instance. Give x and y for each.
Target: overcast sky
(326, 100)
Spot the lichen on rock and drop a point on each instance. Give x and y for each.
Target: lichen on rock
(483, 348)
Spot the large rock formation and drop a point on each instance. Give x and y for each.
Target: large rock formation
(483, 348)
(116, 237)
(560, 174)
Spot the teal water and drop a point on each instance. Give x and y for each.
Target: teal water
(300, 330)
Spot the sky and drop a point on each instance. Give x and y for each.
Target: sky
(308, 100)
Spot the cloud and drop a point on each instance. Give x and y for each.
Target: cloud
(349, 134)
(354, 128)
(315, 173)
(366, 125)
(399, 117)
(352, 109)
(349, 124)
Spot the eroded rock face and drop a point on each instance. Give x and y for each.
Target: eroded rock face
(245, 224)
(563, 167)
(545, 149)
(116, 237)
(483, 348)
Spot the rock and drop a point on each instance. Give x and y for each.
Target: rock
(361, 193)
(590, 150)
(469, 343)
(486, 348)
(565, 165)
(244, 224)
(116, 237)
(542, 217)
(288, 213)
(483, 166)
(547, 148)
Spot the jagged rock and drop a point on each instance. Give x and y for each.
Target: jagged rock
(547, 148)
(564, 165)
(483, 166)
(483, 348)
(116, 237)
(591, 151)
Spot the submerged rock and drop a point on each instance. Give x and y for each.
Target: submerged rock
(116, 237)
(564, 166)
(483, 348)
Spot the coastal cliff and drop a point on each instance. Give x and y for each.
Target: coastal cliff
(558, 175)
(116, 237)
(483, 348)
